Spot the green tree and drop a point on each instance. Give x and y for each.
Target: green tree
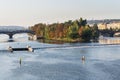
(95, 32)
(85, 33)
(73, 30)
(82, 22)
(46, 33)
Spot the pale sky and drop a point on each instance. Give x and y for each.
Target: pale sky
(30, 12)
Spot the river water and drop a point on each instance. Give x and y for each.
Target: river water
(102, 62)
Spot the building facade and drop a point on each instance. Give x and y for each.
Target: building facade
(114, 25)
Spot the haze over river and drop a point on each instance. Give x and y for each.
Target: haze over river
(102, 62)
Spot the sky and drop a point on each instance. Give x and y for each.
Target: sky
(30, 12)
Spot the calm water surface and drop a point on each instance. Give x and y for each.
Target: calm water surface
(102, 61)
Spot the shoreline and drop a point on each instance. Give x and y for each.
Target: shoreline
(62, 41)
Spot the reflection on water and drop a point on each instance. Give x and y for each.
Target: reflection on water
(110, 40)
(104, 40)
(83, 62)
(50, 41)
(21, 37)
(3, 37)
(83, 59)
(17, 37)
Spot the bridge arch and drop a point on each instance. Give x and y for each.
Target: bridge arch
(12, 30)
(4, 36)
(11, 33)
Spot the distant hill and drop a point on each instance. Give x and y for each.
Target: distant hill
(102, 21)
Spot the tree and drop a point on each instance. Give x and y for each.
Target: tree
(95, 32)
(85, 33)
(68, 31)
(82, 22)
(46, 35)
(73, 30)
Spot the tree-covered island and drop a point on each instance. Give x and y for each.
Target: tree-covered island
(70, 31)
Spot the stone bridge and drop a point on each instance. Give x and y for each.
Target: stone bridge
(108, 33)
(11, 30)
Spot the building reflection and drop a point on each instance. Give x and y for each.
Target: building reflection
(108, 40)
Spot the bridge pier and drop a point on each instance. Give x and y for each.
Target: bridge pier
(10, 36)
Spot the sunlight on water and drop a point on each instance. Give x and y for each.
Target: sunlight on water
(21, 37)
(3, 37)
(17, 37)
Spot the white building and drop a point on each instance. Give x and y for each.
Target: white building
(102, 26)
(115, 25)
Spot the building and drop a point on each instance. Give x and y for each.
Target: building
(114, 25)
(102, 26)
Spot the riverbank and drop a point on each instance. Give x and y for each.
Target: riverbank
(63, 40)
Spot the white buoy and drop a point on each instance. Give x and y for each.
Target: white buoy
(83, 58)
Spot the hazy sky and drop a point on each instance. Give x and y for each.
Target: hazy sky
(30, 12)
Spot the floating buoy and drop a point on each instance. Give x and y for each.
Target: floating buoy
(83, 58)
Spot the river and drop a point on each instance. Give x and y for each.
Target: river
(102, 62)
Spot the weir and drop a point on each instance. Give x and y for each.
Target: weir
(21, 49)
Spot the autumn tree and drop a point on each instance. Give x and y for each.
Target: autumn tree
(73, 30)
